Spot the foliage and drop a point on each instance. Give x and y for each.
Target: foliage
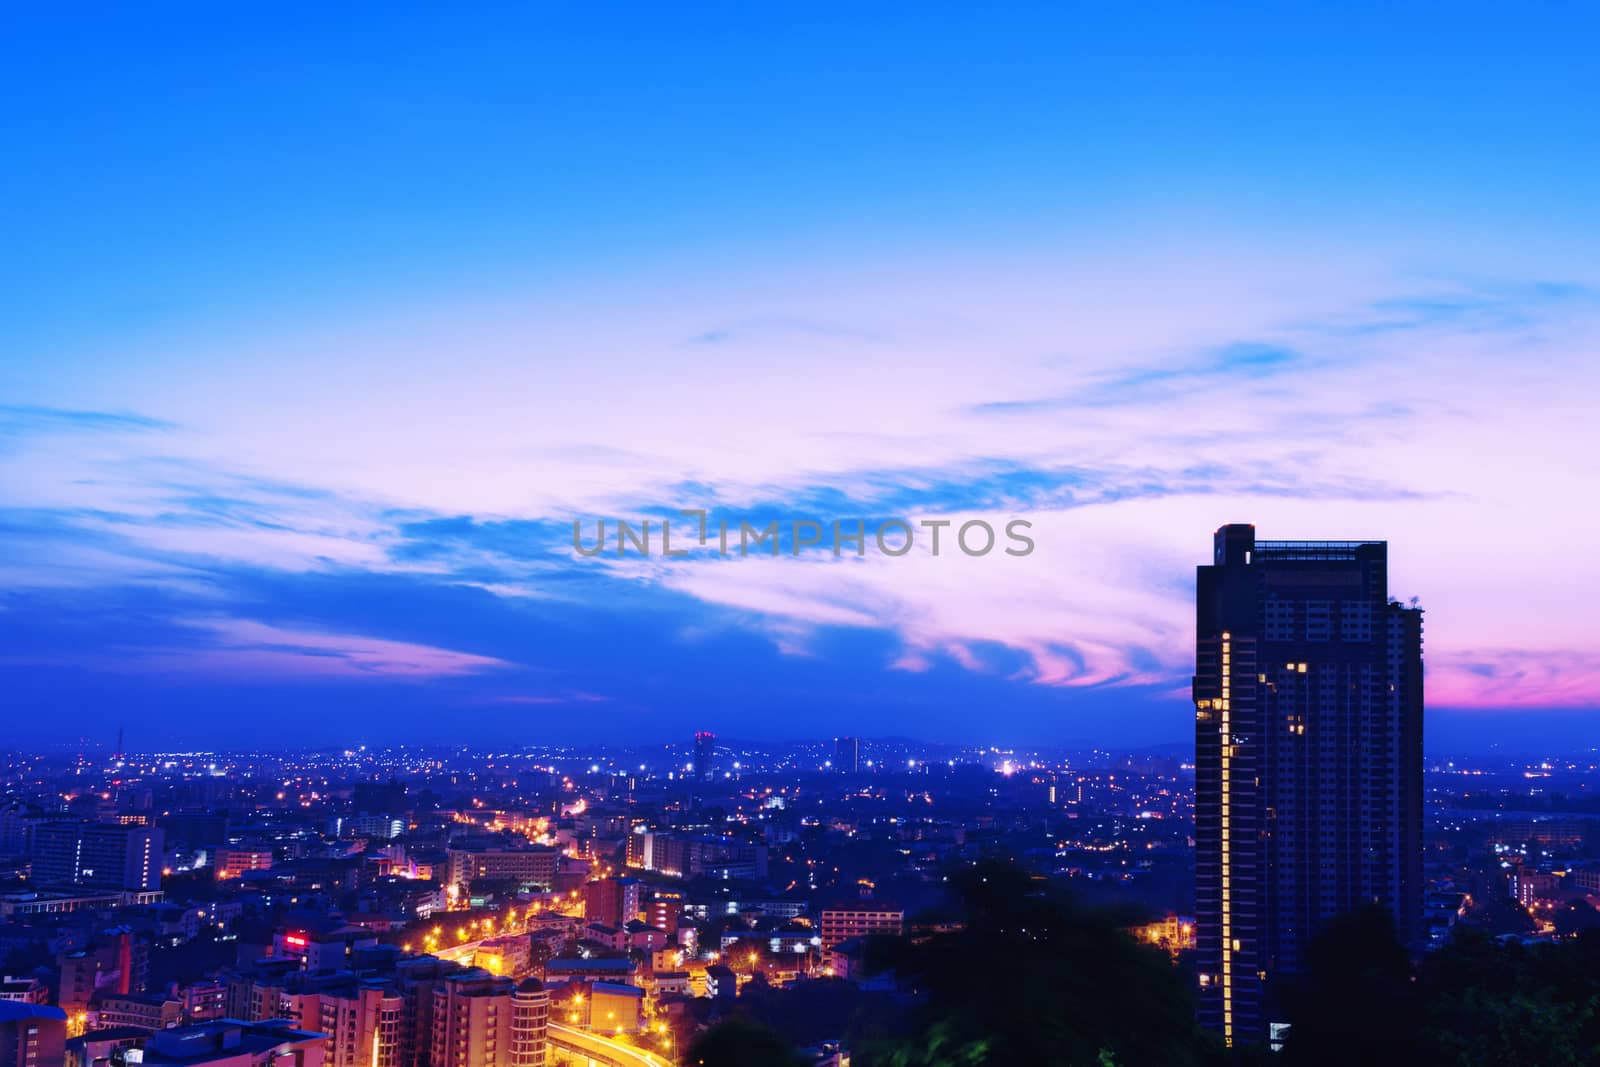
(741, 1042)
(1477, 1001)
(1032, 978)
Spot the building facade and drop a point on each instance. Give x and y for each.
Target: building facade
(705, 754)
(847, 755)
(530, 1024)
(857, 919)
(1308, 761)
(97, 855)
(473, 1017)
(613, 901)
(533, 865)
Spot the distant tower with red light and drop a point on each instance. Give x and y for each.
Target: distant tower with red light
(705, 749)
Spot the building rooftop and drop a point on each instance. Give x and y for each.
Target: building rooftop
(573, 964)
(16, 1010)
(222, 1040)
(108, 1033)
(616, 989)
(1312, 550)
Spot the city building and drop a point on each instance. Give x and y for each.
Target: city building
(1543, 833)
(664, 908)
(721, 982)
(1175, 933)
(1528, 887)
(526, 865)
(116, 962)
(705, 751)
(230, 1043)
(530, 1024)
(847, 754)
(510, 956)
(147, 1011)
(387, 827)
(31, 1035)
(696, 856)
(599, 1006)
(233, 862)
(97, 1047)
(571, 968)
(365, 1021)
(1308, 760)
(384, 1008)
(325, 946)
(24, 990)
(97, 855)
(35, 902)
(203, 1000)
(475, 1021)
(612, 901)
(856, 919)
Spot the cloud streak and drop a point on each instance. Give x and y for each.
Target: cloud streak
(245, 649)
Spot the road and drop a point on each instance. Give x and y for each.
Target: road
(601, 1051)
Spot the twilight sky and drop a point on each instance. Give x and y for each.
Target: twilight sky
(317, 329)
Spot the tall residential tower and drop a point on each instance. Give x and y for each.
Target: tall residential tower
(705, 754)
(1308, 760)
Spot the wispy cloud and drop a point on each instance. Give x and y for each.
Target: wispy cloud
(1514, 678)
(767, 327)
(246, 648)
(16, 419)
(1238, 361)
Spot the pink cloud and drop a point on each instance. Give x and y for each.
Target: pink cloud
(1507, 677)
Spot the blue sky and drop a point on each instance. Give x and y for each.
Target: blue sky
(317, 328)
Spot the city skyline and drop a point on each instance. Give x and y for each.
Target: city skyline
(308, 365)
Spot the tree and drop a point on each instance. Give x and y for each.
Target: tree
(741, 1042)
(1483, 1028)
(1032, 978)
(1491, 1002)
(1356, 1002)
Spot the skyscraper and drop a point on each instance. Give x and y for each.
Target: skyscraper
(1308, 760)
(705, 747)
(847, 754)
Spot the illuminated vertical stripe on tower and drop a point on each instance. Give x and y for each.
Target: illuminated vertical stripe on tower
(1227, 894)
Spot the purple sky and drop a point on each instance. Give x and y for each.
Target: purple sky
(310, 359)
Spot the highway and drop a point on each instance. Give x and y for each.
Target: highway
(601, 1051)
